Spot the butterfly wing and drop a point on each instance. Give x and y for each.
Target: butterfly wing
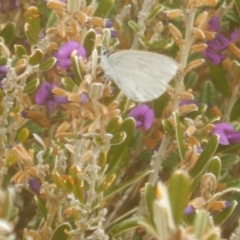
(142, 76)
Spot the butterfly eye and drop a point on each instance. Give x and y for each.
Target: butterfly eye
(105, 52)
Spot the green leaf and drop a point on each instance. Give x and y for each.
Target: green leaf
(77, 70)
(237, 2)
(68, 83)
(134, 26)
(61, 232)
(7, 204)
(168, 128)
(157, 9)
(146, 156)
(41, 206)
(125, 225)
(160, 104)
(3, 61)
(126, 184)
(179, 190)
(106, 184)
(206, 155)
(200, 223)
(179, 135)
(36, 57)
(191, 80)
(114, 125)
(23, 135)
(171, 162)
(208, 93)
(52, 20)
(115, 153)
(32, 18)
(150, 197)
(212, 235)
(104, 7)
(220, 218)
(235, 113)
(232, 148)
(156, 45)
(232, 16)
(48, 64)
(106, 38)
(8, 32)
(30, 34)
(231, 182)
(219, 79)
(73, 6)
(89, 41)
(229, 160)
(214, 167)
(118, 138)
(20, 51)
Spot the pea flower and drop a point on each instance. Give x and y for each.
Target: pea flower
(35, 185)
(63, 55)
(189, 210)
(143, 116)
(83, 97)
(226, 133)
(215, 47)
(44, 96)
(109, 24)
(3, 72)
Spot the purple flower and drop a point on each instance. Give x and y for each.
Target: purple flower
(215, 47)
(227, 204)
(64, 53)
(6, 6)
(143, 116)
(114, 34)
(35, 185)
(108, 23)
(83, 97)
(44, 96)
(189, 210)
(214, 24)
(3, 72)
(226, 133)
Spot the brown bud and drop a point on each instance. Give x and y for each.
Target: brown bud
(209, 35)
(175, 32)
(198, 47)
(57, 5)
(194, 64)
(200, 20)
(206, 3)
(174, 13)
(198, 33)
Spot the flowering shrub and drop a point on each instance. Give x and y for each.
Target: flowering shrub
(79, 160)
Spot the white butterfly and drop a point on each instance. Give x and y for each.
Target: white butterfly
(142, 76)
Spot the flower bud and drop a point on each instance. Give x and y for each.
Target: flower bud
(96, 91)
(194, 64)
(206, 3)
(198, 47)
(57, 5)
(198, 33)
(175, 32)
(174, 13)
(200, 20)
